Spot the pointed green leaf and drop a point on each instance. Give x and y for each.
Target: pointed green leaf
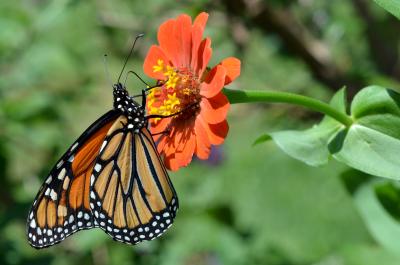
(372, 143)
(392, 6)
(310, 146)
(262, 138)
(375, 100)
(368, 150)
(381, 225)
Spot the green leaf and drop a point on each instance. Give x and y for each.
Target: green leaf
(392, 6)
(389, 196)
(384, 229)
(375, 100)
(262, 138)
(310, 146)
(372, 143)
(368, 150)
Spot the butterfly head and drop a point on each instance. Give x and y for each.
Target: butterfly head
(129, 107)
(120, 91)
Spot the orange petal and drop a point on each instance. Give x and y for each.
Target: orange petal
(161, 144)
(169, 148)
(190, 143)
(166, 143)
(213, 82)
(170, 162)
(219, 131)
(183, 34)
(159, 127)
(232, 66)
(189, 148)
(215, 109)
(154, 54)
(167, 40)
(204, 53)
(201, 20)
(216, 132)
(202, 141)
(197, 35)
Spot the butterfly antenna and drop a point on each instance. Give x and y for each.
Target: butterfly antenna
(129, 55)
(106, 69)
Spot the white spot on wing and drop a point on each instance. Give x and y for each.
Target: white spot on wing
(48, 180)
(59, 164)
(61, 175)
(103, 145)
(87, 217)
(97, 167)
(74, 146)
(53, 195)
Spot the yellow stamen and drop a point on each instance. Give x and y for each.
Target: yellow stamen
(180, 89)
(159, 67)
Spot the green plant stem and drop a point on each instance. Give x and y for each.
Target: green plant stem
(240, 96)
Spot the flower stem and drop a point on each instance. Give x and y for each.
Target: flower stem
(240, 96)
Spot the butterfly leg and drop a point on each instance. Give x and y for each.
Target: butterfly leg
(163, 132)
(159, 84)
(195, 105)
(143, 94)
(138, 76)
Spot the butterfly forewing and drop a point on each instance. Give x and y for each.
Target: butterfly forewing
(61, 206)
(131, 195)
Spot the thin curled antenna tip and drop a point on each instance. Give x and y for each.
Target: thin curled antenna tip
(129, 55)
(106, 69)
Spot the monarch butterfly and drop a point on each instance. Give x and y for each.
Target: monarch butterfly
(111, 177)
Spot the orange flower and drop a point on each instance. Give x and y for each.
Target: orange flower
(180, 64)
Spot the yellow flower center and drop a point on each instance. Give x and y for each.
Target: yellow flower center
(180, 92)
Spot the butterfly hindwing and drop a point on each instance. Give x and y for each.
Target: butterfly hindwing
(131, 195)
(61, 206)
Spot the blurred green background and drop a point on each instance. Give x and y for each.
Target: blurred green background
(249, 205)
